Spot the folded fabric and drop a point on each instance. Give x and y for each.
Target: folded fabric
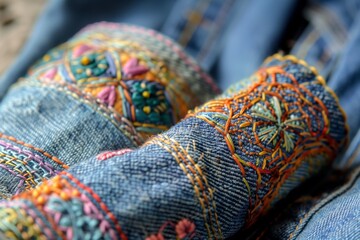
(209, 176)
(110, 87)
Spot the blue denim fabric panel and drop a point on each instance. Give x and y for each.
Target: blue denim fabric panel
(59, 124)
(150, 180)
(253, 34)
(199, 26)
(350, 159)
(346, 11)
(336, 216)
(346, 79)
(221, 168)
(323, 41)
(61, 19)
(329, 212)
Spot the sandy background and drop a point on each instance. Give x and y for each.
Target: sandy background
(16, 20)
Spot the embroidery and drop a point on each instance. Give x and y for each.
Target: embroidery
(109, 154)
(184, 229)
(135, 73)
(28, 168)
(276, 125)
(46, 154)
(197, 178)
(71, 209)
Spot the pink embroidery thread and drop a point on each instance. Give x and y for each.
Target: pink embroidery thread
(78, 51)
(50, 74)
(132, 68)
(108, 96)
(109, 154)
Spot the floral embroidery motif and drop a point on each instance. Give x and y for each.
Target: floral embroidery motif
(69, 210)
(184, 229)
(275, 126)
(124, 76)
(274, 113)
(151, 104)
(132, 68)
(93, 64)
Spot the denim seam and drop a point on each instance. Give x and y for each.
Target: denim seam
(119, 121)
(48, 155)
(191, 168)
(304, 220)
(18, 166)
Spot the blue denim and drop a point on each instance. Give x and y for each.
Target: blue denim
(88, 96)
(250, 32)
(212, 174)
(325, 208)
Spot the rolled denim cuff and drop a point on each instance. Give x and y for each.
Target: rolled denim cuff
(209, 176)
(111, 86)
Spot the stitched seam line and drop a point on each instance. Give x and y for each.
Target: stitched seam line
(48, 155)
(317, 207)
(192, 170)
(125, 126)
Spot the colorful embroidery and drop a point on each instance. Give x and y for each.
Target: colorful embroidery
(184, 229)
(277, 125)
(28, 168)
(134, 72)
(71, 209)
(197, 178)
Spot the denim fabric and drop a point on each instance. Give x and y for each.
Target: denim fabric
(328, 210)
(251, 31)
(63, 18)
(209, 176)
(110, 87)
(337, 216)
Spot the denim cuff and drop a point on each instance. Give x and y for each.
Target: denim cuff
(212, 174)
(110, 87)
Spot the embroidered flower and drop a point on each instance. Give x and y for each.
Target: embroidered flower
(278, 123)
(185, 228)
(90, 65)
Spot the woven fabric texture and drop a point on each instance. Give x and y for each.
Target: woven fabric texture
(209, 176)
(110, 87)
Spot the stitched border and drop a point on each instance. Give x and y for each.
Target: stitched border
(222, 108)
(174, 46)
(123, 124)
(192, 170)
(48, 155)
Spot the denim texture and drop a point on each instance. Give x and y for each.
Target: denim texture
(235, 50)
(203, 178)
(110, 87)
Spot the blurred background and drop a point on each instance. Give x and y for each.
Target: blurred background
(16, 20)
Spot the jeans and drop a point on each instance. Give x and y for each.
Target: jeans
(233, 50)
